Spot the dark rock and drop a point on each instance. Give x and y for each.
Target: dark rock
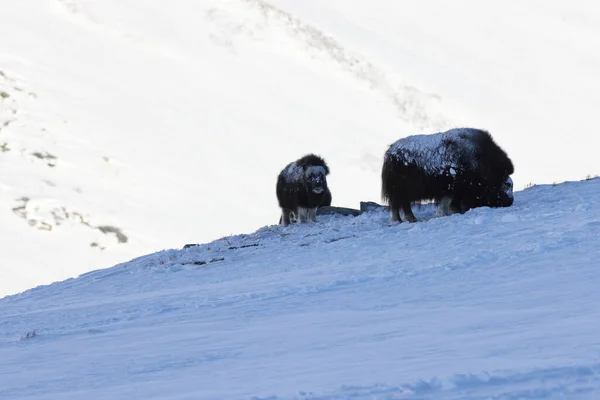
(330, 210)
(370, 206)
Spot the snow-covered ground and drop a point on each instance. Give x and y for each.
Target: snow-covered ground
(492, 304)
(128, 127)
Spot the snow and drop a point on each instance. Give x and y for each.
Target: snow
(168, 123)
(127, 128)
(493, 304)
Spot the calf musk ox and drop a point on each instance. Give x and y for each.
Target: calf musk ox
(459, 169)
(302, 188)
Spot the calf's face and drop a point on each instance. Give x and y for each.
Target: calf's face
(314, 179)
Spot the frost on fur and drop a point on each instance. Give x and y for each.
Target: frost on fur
(461, 169)
(302, 188)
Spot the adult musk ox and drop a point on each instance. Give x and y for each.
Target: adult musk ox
(459, 169)
(302, 188)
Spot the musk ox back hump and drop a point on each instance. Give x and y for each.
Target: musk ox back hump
(434, 152)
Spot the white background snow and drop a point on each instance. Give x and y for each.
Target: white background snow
(130, 127)
(492, 304)
(169, 122)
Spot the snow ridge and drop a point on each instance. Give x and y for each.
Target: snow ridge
(410, 104)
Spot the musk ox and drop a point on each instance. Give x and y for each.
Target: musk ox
(459, 169)
(302, 188)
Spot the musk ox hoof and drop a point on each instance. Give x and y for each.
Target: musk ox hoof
(410, 218)
(399, 216)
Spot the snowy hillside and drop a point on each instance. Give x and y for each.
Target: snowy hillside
(492, 304)
(128, 127)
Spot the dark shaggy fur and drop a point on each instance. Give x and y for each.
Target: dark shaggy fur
(459, 169)
(302, 188)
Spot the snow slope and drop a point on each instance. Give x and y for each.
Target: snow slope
(130, 127)
(492, 304)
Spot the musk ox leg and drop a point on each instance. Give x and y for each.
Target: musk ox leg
(444, 208)
(302, 215)
(285, 216)
(458, 206)
(395, 214)
(408, 214)
(312, 214)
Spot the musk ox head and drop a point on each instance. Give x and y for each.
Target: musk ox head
(507, 190)
(504, 196)
(314, 173)
(492, 196)
(495, 168)
(314, 179)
